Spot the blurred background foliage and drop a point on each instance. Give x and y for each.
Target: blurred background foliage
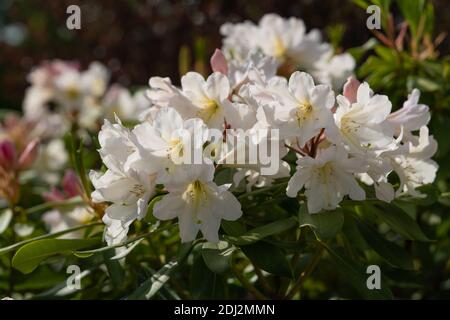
(137, 39)
(140, 39)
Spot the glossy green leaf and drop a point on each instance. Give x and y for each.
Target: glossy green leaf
(205, 284)
(326, 223)
(269, 258)
(233, 228)
(401, 222)
(392, 253)
(217, 256)
(149, 216)
(46, 236)
(355, 275)
(262, 232)
(151, 286)
(28, 257)
(115, 270)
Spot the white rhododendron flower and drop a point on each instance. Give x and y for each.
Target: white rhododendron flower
(301, 108)
(120, 102)
(187, 134)
(51, 159)
(240, 39)
(209, 98)
(171, 143)
(334, 69)
(162, 92)
(287, 39)
(254, 67)
(126, 188)
(288, 43)
(199, 204)
(362, 123)
(283, 39)
(225, 171)
(412, 163)
(327, 179)
(411, 117)
(60, 220)
(378, 169)
(95, 79)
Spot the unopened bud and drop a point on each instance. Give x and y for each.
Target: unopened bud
(351, 89)
(7, 154)
(71, 185)
(219, 62)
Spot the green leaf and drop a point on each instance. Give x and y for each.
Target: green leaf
(46, 236)
(268, 258)
(401, 222)
(217, 256)
(233, 228)
(430, 191)
(412, 11)
(326, 223)
(115, 270)
(132, 241)
(387, 54)
(262, 232)
(392, 253)
(205, 284)
(427, 85)
(149, 216)
(444, 199)
(359, 52)
(355, 275)
(28, 257)
(152, 285)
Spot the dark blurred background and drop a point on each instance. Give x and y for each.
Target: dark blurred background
(139, 39)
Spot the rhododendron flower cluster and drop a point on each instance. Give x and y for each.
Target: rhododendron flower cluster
(61, 94)
(345, 139)
(292, 47)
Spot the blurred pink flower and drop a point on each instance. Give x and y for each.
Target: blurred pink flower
(71, 184)
(7, 155)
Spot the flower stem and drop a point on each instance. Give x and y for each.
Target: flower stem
(309, 269)
(263, 280)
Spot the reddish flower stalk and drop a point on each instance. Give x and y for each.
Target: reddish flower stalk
(11, 164)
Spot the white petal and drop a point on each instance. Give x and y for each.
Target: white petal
(169, 207)
(217, 87)
(301, 84)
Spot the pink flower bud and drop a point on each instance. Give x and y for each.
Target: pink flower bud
(7, 154)
(71, 185)
(29, 155)
(351, 89)
(219, 62)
